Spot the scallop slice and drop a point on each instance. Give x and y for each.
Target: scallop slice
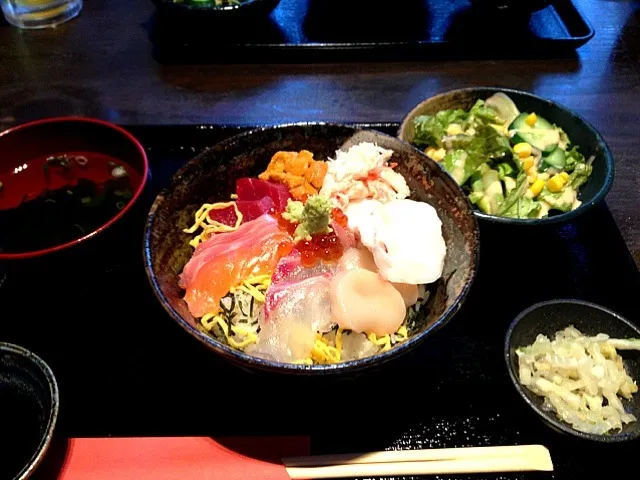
(362, 301)
(357, 258)
(409, 293)
(363, 258)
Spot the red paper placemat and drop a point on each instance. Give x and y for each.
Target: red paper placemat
(173, 458)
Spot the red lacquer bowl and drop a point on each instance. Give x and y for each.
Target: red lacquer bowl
(26, 175)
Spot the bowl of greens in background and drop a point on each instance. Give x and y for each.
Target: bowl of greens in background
(521, 159)
(226, 10)
(511, 7)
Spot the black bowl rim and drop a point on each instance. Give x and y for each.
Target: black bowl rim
(37, 457)
(280, 367)
(558, 218)
(206, 8)
(549, 417)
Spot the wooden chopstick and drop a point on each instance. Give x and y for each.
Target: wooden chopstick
(422, 462)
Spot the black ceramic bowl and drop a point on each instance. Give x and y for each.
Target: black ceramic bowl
(247, 10)
(511, 7)
(211, 177)
(28, 411)
(579, 130)
(549, 317)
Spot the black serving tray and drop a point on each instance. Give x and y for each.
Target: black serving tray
(330, 30)
(124, 368)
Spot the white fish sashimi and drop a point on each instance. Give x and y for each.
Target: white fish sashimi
(405, 237)
(299, 310)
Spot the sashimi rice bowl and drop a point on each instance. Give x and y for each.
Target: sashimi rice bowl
(322, 248)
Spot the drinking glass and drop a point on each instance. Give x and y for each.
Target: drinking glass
(39, 13)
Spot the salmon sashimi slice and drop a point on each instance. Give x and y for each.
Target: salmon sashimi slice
(227, 259)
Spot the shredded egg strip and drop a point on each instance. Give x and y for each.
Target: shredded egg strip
(209, 226)
(324, 353)
(254, 287)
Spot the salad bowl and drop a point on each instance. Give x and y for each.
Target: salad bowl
(209, 10)
(583, 145)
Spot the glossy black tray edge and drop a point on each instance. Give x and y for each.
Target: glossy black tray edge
(169, 49)
(446, 421)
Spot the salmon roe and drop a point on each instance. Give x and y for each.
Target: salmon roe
(339, 217)
(324, 247)
(286, 225)
(284, 249)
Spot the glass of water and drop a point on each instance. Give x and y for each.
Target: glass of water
(39, 13)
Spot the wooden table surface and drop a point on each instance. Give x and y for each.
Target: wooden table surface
(100, 65)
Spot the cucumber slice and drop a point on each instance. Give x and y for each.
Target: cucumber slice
(544, 140)
(509, 184)
(556, 159)
(520, 124)
(501, 103)
(543, 136)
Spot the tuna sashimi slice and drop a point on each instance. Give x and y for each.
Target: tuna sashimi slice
(250, 209)
(253, 209)
(226, 216)
(225, 260)
(255, 189)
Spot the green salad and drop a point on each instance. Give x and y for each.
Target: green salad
(511, 163)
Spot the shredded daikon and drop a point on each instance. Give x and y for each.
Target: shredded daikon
(581, 378)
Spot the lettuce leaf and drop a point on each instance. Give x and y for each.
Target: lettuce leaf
(430, 129)
(580, 175)
(572, 158)
(514, 195)
(524, 207)
(562, 201)
(483, 114)
(485, 145)
(455, 163)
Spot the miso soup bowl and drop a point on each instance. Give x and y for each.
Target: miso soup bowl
(211, 176)
(53, 136)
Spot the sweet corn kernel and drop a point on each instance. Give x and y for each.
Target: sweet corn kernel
(532, 177)
(435, 154)
(564, 175)
(556, 183)
(523, 149)
(454, 129)
(531, 119)
(544, 176)
(527, 163)
(537, 186)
